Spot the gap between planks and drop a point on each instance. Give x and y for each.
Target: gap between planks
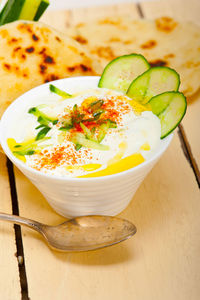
(185, 145)
(18, 234)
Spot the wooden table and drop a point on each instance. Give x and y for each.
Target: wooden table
(162, 261)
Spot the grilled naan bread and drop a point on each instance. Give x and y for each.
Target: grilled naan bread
(164, 42)
(32, 53)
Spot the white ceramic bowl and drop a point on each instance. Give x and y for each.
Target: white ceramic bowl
(106, 195)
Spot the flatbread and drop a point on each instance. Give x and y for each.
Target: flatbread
(32, 53)
(163, 41)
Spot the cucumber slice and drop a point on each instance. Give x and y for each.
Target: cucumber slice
(153, 82)
(170, 107)
(3, 10)
(11, 11)
(41, 9)
(121, 71)
(29, 9)
(22, 10)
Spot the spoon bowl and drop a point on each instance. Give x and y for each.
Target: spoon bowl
(81, 233)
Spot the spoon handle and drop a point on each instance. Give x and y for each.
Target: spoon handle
(21, 221)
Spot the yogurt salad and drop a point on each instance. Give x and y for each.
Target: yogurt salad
(92, 133)
(104, 130)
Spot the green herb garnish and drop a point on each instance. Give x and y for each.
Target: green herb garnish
(42, 133)
(78, 146)
(96, 105)
(59, 92)
(44, 120)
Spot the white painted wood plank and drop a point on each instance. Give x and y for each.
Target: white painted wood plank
(9, 273)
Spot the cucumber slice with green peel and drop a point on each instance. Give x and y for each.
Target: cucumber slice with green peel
(41, 9)
(121, 71)
(153, 82)
(22, 10)
(160, 102)
(29, 9)
(170, 107)
(3, 10)
(11, 11)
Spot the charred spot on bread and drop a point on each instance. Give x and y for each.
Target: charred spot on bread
(35, 37)
(7, 66)
(48, 59)
(71, 69)
(51, 77)
(158, 63)
(85, 68)
(42, 51)
(25, 27)
(30, 49)
(104, 52)
(57, 39)
(42, 68)
(78, 68)
(17, 49)
(149, 44)
(23, 56)
(13, 40)
(170, 55)
(81, 39)
(165, 24)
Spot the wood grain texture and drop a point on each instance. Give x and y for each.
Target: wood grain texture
(160, 262)
(9, 273)
(186, 11)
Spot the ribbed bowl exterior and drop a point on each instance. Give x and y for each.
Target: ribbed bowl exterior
(108, 195)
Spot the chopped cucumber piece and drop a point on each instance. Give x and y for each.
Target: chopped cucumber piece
(87, 131)
(59, 92)
(121, 71)
(79, 139)
(103, 129)
(153, 82)
(43, 119)
(170, 107)
(41, 9)
(29, 9)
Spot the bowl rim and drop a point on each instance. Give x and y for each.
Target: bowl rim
(22, 165)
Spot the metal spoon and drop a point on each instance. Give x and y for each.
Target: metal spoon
(80, 233)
